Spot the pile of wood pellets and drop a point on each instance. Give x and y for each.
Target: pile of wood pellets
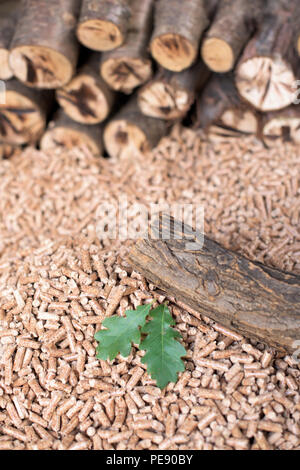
(58, 281)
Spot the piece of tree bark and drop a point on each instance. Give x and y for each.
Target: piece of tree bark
(232, 26)
(8, 20)
(178, 28)
(170, 94)
(66, 133)
(103, 23)
(257, 301)
(211, 8)
(267, 70)
(23, 115)
(281, 126)
(130, 130)
(221, 112)
(130, 66)
(44, 49)
(87, 98)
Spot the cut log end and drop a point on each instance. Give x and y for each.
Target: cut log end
(5, 70)
(266, 83)
(40, 66)
(121, 137)
(124, 74)
(218, 55)
(68, 138)
(99, 35)
(21, 122)
(298, 45)
(233, 124)
(278, 129)
(83, 100)
(173, 52)
(162, 100)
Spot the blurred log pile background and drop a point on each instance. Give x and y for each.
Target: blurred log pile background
(115, 74)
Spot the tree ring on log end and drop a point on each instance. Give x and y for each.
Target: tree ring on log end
(121, 136)
(173, 51)
(126, 73)
(217, 55)
(83, 101)
(21, 122)
(164, 101)
(68, 138)
(280, 129)
(5, 70)
(266, 83)
(99, 35)
(40, 66)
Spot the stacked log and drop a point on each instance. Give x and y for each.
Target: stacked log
(228, 33)
(222, 113)
(103, 24)
(267, 71)
(64, 132)
(24, 114)
(177, 32)
(170, 95)
(8, 19)
(129, 130)
(239, 65)
(87, 98)
(130, 66)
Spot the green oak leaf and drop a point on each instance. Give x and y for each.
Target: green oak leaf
(121, 332)
(163, 351)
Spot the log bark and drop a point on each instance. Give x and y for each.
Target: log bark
(221, 112)
(211, 8)
(130, 66)
(103, 23)
(268, 67)
(130, 130)
(281, 126)
(248, 297)
(66, 133)
(87, 98)
(24, 113)
(170, 94)
(8, 20)
(232, 26)
(44, 49)
(178, 28)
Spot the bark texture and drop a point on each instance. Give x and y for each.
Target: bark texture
(87, 98)
(178, 28)
(130, 66)
(232, 26)
(8, 19)
(44, 49)
(170, 94)
(250, 298)
(24, 113)
(64, 132)
(103, 23)
(269, 65)
(222, 113)
(130, 130)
